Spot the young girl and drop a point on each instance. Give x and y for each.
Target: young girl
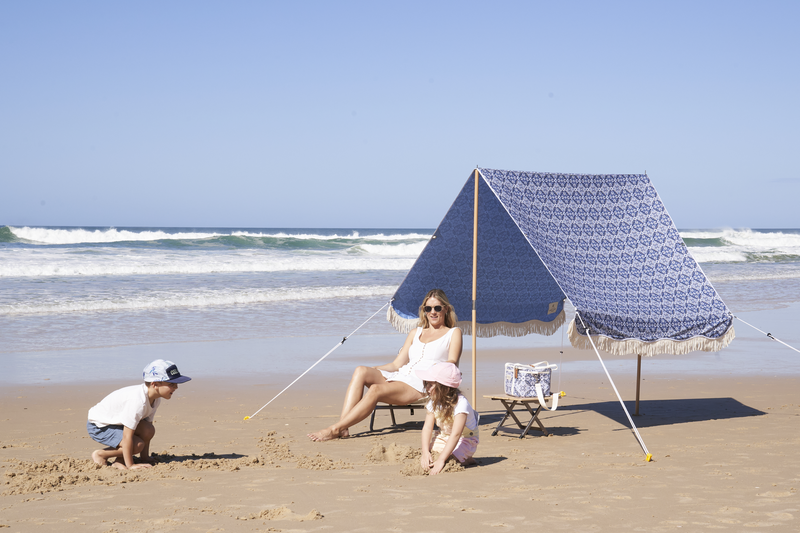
(457, 420)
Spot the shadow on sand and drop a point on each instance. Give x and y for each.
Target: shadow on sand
(389, 429)
(490, 419)
(167, 458)
(667, 412)
(651, 413)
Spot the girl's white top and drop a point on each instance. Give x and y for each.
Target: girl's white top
(462, 406)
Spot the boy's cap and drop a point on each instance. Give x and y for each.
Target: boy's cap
(445, 373)
(166, 371)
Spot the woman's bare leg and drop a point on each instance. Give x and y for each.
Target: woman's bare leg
(363, 376)
(395, 392)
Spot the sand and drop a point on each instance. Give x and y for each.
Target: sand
(724, 458)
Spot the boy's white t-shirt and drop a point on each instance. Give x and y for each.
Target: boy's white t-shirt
(462, 406)
(126, 406)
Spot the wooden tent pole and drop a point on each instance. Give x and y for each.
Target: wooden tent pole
(638, 382)
(475, 295)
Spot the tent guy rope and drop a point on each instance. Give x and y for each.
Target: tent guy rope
(648, 455)
(320, 360)
(767, 334)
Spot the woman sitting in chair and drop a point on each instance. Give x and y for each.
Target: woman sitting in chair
(437, 339)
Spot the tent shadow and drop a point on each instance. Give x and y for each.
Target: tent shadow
(669, 412)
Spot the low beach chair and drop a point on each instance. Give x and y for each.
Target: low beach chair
(419, 404)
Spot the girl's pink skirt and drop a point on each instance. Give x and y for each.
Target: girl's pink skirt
(465, 448)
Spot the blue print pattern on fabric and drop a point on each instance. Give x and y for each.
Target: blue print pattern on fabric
(615, 252)
(514, 286)
(522, 383)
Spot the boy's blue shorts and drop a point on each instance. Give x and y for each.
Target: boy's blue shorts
(111, 436)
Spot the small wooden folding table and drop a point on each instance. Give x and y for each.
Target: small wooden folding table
(510, 402)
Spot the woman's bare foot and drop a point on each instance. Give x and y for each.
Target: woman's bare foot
(325, 434)
(345, 433)
(98, 459)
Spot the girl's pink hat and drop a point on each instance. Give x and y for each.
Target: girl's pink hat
(445, 373)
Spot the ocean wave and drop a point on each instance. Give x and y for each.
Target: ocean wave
(164, 264)
(184, 237)
(96, 236)
(743, 246)
(392, 250)
(6, 235)
(108, 251)
(201, 298)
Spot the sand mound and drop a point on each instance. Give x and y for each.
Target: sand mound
(273, 450)
(414, 468)
(284, 513)
(276, 451)
(25, 477)
(320, 462)
(394, 453)
(408, 457)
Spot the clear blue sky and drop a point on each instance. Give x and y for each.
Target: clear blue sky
(373, 114)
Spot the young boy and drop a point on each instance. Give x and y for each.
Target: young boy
(123, 420)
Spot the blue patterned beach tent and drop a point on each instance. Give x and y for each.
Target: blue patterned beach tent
(606, 242)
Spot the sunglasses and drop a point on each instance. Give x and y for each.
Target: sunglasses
(437, 308)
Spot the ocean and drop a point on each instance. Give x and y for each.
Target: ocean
(78, 303)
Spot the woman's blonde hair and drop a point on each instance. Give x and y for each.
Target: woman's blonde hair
(444, 400)
(450, 318)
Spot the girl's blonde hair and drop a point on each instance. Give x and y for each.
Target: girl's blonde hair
(444, 400)
(450, 318)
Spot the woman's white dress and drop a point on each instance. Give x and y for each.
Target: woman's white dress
(421, 356)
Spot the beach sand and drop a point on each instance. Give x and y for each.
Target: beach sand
(724, 458)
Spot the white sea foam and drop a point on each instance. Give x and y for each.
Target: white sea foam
(747, 237)
(791, 272)
(79, 236)
(102, 262)
(52, 236)
(744, 246)
(393, 250)
(190, 298)
(704, 254)
(355, 235)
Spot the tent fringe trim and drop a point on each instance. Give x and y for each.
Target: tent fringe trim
(649, 349)
(507, 329)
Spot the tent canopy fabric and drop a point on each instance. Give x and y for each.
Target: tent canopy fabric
(606, 242)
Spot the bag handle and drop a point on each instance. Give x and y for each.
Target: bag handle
(540, 397)
(543, 365)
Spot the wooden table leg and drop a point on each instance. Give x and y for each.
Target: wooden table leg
(535, 417)
(503, 421)
(510, 413)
